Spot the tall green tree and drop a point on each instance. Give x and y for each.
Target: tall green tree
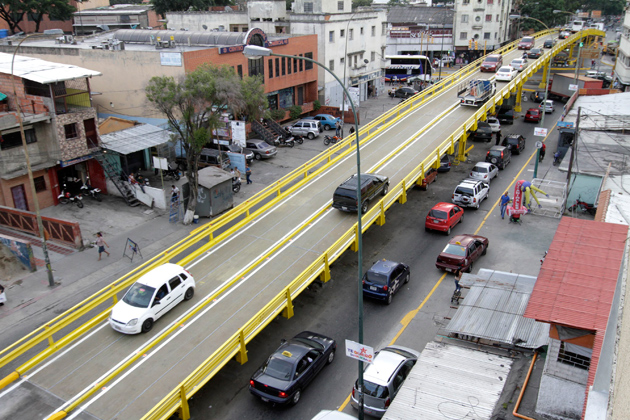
(193, 106)
(13, 11)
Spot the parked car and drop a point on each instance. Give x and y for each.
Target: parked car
(260, 149)
(535, 53)
(327, 121)
(445, 164)
(527, 43)
(533, 115)
(306, 128)
(384, 279)
(506, 74)
(383, 378)
(289, 369)
(332, 415)
(547, 105)
(404, 92)
(470, 193)
(519, 64)
(506, 115)
(494, 124)
(492, 63)
(484, 172)
(483, 132)
(515, 142)
(152, 296)
(345, 196)
(461, 252)
(213, 157)
(537, 96)
(564, 34)
(443, 217)
(499, 155)
(234, 148)
(429, 177)
(550, 43)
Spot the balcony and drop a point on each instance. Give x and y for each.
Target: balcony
(68, 96)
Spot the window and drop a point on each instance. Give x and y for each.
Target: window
(14, 139)
(331, 65)
(569, 355)
(465, 1)
(498, 17)
(277, 67)
(463, 35)
(174, 282)
(240, 70)
(308, 7)
(350, 34)
(342, 61)
(488, 18)
(40, 184)
(361, 31)
(486, 35)
(342, 33)
(308, 65)
(295, 60)
(270, 68)
(288, 66)
(331, 36)
(340, 6)
(256, 67)
(71, 131)
(373, 30)
(372, 56)
(284, 64)
(495, 35)
(490, 1)
(464, 18)
(300, 62)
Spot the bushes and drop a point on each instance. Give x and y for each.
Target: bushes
(277, 114)
(316, 105)
(295, 111)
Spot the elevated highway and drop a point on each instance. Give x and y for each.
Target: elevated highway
(249, 266)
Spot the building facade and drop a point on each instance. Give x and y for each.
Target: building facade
(622, 67)
(420, 30)
(481, 25)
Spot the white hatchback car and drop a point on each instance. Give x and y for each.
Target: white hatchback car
(547, 105)
(149, 298)
(506, 74)
(494, 124)
(484, 172)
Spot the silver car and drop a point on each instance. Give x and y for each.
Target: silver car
(306, 128)
(383, 378)
(260, 149)
(484, 172)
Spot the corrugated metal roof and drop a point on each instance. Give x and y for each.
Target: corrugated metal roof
(493, 309)
(601, 112)
(435, 16)
(146, 36)
(451, 382)
(42, 71)
(136, 138)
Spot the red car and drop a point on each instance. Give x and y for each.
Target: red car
(492, 63)
(527, 43)
(532, 115)
(429, 177)
(443, 217)
(461, 252)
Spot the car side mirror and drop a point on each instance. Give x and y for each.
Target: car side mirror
(155, 302)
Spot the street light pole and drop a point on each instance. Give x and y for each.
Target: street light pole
(442, 47)
(40, 225)
(345, 66)
(254, 52)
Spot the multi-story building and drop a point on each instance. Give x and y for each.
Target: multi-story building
(480, 25)
(118, 16)
(622, 67)
(420, 30)
(59, 123)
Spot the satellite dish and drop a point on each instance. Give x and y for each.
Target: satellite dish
(204, 27)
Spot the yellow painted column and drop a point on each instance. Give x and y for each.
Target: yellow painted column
(545, 78)
(463, 142)
(519, 96)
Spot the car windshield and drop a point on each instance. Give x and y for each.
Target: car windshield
(139, 295)
(492, 59)
(528, 39)
(376, 278)
(438, 214)
(373, 390)
(464, 191)
(455, 249)
(496, 153)
(480, 169)
(278, 368)
(504, 70)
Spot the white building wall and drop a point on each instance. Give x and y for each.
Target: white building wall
(194, 21)
(622, 69)
(470, 23)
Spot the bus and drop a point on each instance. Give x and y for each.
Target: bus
(577, 25)
(403, 67)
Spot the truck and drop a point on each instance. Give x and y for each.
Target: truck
(476, 92)
(562, 81)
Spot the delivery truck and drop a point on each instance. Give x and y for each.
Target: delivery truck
(563, 82)
(476, 92)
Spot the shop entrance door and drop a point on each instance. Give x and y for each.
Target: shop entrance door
(19, 197)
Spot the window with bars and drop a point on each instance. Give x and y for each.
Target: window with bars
(308, 7)
(488, 18)
(308, 65)
(340, 6)
(464, 18)
(277, 67)
(331, 65)
(351, 34)
(14, 139)
(342, 33)
(71, 131)
(372, 56)
(331, 36)
(256, 67)
(373, 30)
(40, 184)
(486, 35)
(284, 64)
(295, 64)
(463, 35)
(239, 69)
(573, 359)
(300, 62)
(270, 68)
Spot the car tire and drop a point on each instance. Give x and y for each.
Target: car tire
(258, 156)
(385, 190)
(448, 231)
(190, 292)
(147, 325)
(364, 207)
(296, 397)
(470, 267)
(461, 219)
(331, 357)
(407, 278)
(390, 297)
(310, 136)
(485, 250)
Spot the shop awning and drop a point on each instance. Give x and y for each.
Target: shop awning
(2, 96)
(134, 139)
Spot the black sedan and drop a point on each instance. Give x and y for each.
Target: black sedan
(534, 53)
(404, 92)
(537, 96)
(384, 279)
(483, 132)
(292, 367)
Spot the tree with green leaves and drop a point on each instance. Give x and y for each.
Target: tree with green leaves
(193, 106)
(163, 6)
(13, 11)
(361, 3)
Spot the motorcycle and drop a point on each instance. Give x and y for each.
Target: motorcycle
(236, 184)
(93, 192)
(298, 139)
(556, 159)
(172, 171)
(330, 139)
(65, 198)
(583, 206)
(280, 141)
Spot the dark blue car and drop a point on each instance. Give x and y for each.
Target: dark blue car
(384, 279)
(292, 367)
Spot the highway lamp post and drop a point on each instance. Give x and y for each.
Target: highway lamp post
(442, 47)
(345, 66)
(38, 216)
(256, 52)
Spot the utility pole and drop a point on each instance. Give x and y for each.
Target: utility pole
(573, 145)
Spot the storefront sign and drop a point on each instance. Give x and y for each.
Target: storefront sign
(171, 59)
(66, 163)
(540, 132)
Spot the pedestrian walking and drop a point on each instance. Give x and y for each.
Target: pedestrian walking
(101, 244)
(337, 128)
(375, 92)
(352, 130)
(592, 63)
(505, 200)
(174, 194)
(3, 297)
(498, 137)
(458, 277)
(248, 173)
